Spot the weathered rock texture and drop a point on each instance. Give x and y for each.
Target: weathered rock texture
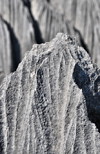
(5, 50)
(51, 104)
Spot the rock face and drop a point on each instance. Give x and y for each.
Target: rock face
(5, 48)
(51, 103)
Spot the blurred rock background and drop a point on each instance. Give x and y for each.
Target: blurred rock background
(27, 22)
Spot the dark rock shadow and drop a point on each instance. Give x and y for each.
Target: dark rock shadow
(38, 36)
(48, 1)
(15, 45)
(42, 108)
(92, 97)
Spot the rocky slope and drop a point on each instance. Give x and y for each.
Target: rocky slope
(51, 103)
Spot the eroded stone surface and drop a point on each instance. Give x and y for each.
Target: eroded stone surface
(51, 103)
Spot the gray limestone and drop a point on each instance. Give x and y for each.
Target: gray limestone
(51, 104)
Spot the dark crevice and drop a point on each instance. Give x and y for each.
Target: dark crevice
(15, 52)
(37, 31)
(42, 108)
(92, 97)
(83, 44)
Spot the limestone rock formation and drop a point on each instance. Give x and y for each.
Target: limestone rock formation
(51, 104)
(5, 51)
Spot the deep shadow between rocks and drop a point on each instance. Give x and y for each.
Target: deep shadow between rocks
(92, 97)
(38, 36)
(15, 45)
(48, 1)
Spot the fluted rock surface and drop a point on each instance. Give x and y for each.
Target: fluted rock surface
(51, 103)
(5, 50)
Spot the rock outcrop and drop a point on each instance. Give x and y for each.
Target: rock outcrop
(51, 103)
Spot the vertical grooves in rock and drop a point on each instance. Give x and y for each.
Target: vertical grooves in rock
(3, 116)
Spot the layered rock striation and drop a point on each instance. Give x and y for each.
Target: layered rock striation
(51, 103)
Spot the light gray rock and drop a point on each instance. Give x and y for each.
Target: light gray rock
(5, 50)
(50, 105)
